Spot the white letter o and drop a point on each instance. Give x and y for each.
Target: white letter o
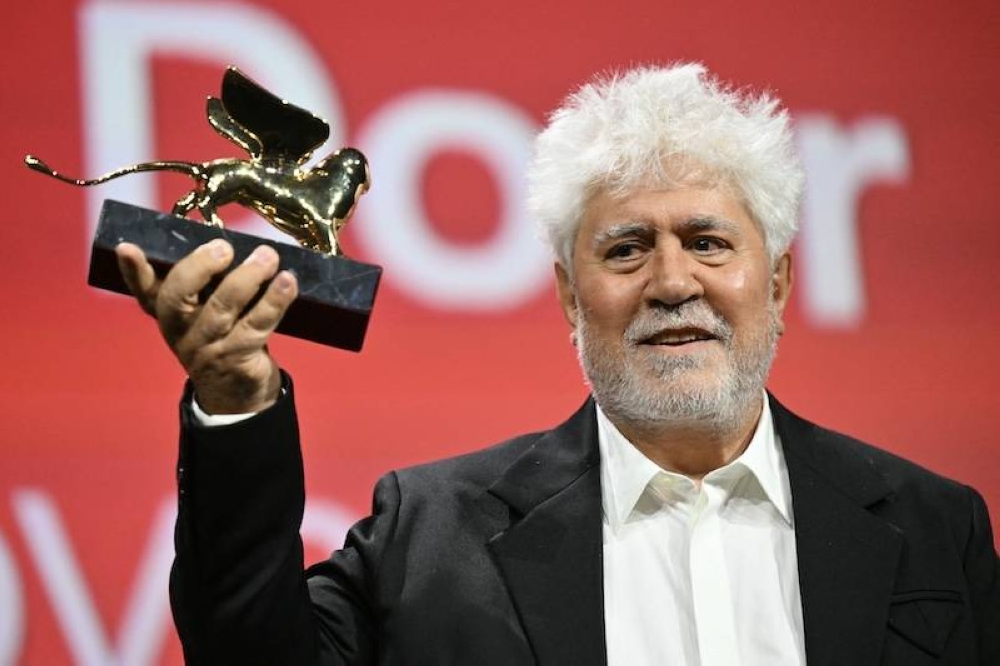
(500, 273)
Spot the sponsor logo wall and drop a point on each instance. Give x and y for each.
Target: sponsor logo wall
(892, 332)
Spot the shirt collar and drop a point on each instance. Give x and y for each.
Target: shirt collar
(626, 472)
(766, 460)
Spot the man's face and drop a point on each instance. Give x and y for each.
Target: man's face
(675, 305)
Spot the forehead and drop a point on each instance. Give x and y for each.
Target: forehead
(671, 209)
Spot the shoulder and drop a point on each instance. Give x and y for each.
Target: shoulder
(544, 460)
(865, 470)
(475, 470)
(900, 473)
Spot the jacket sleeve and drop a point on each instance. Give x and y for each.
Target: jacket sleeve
(237, 588)
(982, 570)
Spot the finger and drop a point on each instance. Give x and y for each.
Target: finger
(257, 324)
(245, 346)
(229, 300)
(138, 274)
(177, 300)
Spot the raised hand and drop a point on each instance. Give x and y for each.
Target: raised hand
(221, 344)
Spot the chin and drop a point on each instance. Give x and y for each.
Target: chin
(702, 397)
(648, 387)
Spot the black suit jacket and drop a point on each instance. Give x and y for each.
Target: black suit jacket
(495, 557)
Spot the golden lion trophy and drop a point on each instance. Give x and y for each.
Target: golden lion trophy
(309, 204)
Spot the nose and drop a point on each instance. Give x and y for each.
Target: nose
(673, 275)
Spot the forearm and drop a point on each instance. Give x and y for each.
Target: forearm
(237, 586)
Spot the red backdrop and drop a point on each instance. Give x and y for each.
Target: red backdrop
(892, 330)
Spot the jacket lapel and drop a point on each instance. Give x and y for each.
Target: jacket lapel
(551, 553)
(847, 556)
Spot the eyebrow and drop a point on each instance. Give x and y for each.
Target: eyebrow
(710, 223)
(695, 224)
(616, 231)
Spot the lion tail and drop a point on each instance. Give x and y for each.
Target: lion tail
(193, 170)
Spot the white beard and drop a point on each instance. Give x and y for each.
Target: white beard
(646, 390)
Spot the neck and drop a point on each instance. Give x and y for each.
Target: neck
(692, 448)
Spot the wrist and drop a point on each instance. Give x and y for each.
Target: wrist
(227, 398)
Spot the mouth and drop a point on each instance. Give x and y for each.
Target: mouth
(678, 337)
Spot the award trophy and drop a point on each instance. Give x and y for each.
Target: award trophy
(336, 294)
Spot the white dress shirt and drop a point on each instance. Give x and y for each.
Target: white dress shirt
(702, 574)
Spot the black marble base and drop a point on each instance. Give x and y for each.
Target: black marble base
(336, 294)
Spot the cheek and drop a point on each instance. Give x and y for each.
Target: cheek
(741, 294)
(609, 303)
(742, 277)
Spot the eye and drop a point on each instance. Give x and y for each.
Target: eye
(624, 251)
(708, 245)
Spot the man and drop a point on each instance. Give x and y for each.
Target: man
(682, 515)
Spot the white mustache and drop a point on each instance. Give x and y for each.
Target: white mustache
(691, 314)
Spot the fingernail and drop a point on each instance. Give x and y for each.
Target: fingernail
(262, 254)
(219, 248)
(283, 281)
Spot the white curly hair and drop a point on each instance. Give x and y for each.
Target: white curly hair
(665, 127)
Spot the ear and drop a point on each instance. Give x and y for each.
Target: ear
(781, 282)
(567, 294)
